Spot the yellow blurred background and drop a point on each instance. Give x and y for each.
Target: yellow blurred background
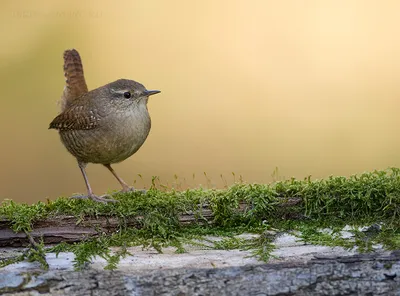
(310, 87)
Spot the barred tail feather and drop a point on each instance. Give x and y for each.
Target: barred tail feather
(75, 84)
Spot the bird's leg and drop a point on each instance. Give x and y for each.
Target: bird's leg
(90, 195)
(125, 187)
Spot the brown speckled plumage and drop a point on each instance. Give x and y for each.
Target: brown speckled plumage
(105, 125)
(75, 84)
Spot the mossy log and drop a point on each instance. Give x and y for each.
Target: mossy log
(370, 274)
(372, 197)
(366, 200)
(68, 228)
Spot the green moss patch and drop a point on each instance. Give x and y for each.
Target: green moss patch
(304, 207)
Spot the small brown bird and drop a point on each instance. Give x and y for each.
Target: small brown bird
(106, 125)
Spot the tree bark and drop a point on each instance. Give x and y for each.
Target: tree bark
(369, 274)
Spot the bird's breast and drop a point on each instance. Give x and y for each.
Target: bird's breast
(117, 137)
(128, 131)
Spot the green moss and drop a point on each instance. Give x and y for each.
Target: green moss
(12, 260)
(36, 253)
(305, 206)
(261, 246)
(22, 215)
(363, 240)
(229, 243)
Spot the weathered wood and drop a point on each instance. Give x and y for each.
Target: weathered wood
(63, 228)
(69, 229)
(372, 274)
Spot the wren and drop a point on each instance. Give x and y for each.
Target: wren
(102, 126)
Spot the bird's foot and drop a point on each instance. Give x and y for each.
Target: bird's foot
(102, 199)
(132, 189)
(95, 198)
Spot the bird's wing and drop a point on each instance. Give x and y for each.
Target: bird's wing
(75, 84)
(76, 117)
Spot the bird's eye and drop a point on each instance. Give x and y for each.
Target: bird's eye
(127, 95)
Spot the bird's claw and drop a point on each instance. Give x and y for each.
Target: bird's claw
(94, 198)
(132, 189)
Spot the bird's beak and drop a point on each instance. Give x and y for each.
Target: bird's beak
(150, 92)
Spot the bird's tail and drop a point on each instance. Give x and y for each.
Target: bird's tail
(75, 84)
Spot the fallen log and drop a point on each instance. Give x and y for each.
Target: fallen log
(367, 274)
(68, 228)
(71, 229)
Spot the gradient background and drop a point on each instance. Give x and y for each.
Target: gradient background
(310, 87)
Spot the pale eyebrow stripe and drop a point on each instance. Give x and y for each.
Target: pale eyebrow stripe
(118, 91)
